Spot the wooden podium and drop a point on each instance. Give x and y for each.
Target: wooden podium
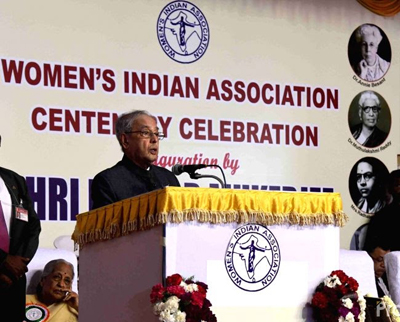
(129, 246)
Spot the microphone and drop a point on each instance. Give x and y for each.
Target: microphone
(178, 169)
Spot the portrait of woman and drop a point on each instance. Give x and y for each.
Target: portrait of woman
(366, 185)
(369, 119)
(369, 52)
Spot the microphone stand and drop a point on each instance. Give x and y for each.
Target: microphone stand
(195, 175)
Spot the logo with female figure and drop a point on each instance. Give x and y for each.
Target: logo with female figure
(252, 258)
(183, 32)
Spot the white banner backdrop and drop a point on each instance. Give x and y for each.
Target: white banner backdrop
(264, 89)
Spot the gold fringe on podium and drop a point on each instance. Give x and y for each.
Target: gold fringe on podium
(211, 206)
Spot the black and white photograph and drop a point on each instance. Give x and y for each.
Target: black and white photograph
(369, 52)
(369, 119)
(366, 185)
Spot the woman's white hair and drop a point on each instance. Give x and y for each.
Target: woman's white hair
(368, 29)
(368, 95)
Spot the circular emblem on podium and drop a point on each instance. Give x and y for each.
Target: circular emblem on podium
(183, 32)
(36, 313)
(252, 258)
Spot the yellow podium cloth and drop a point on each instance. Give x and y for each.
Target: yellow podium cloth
(208, 205)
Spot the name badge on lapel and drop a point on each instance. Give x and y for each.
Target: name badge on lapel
(21, 214)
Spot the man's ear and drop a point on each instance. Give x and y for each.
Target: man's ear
(124, 141)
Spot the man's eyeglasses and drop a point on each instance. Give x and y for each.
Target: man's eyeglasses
(148, 134)
(367, 176)
(367, 109)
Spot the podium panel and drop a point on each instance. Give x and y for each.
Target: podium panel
(116, 276)
(256, 270)
(307, 254)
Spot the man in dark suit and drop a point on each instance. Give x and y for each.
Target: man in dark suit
(139, 137)
(377, 251)
(385, 223)
(19, 240)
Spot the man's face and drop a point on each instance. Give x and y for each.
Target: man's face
(365, 178)
(379, 264)
(369, 118)
(140, 150)
(369, 48)
(57, 283)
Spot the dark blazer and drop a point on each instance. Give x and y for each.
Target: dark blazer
(383, 228)
(24, 241)
(125, 180)
(24, 236)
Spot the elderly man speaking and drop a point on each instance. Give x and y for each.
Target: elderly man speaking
(139, 138)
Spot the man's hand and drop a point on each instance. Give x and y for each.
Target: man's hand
(16, 265)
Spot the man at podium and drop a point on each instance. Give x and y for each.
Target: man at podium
(139, 137)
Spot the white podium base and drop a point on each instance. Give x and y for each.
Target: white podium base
(116, 276)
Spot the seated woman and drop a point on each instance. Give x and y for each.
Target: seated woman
(54, 300)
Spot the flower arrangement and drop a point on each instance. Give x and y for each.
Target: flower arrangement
(337, 299)
(393, 312)
(181, 300)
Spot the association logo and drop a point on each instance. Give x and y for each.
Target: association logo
(183, 32)
(36, 313)
(253, 257)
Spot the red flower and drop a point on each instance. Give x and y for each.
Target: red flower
(157, 293)
(194, 304)
(174, 279)
(319, 300)
(327, 301)
(353, 285)
(330, 293)
(201, 289)
(203, 286)
(192, 313)
(176, 290)
(342, 276)
(342, 289)
(198, 299)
